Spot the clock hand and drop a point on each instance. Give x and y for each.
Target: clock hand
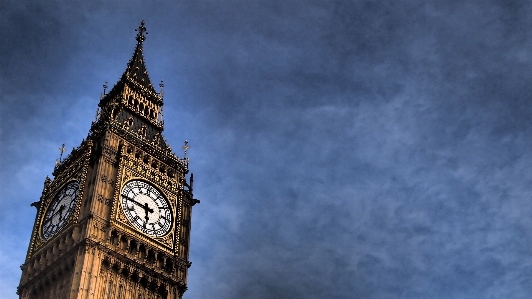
(146, 210)
(51, 217)
(134, 201)
(61, 208)
(144, 206)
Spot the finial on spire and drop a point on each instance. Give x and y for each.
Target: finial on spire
(185, 148)
(62, 149)
(161, 85)
(141, 30)
(161, 111)
(104, 90)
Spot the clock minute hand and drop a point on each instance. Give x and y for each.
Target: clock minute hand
(134, 201)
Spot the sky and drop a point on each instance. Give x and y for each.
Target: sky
(340, 149)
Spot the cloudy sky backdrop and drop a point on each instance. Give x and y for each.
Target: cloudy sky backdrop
(340, 149)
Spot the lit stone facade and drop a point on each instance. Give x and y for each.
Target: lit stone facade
(115, 220)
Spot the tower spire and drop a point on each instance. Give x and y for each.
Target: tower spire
(136, 69)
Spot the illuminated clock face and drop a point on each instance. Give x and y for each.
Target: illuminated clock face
(60, 210)
(146, 208)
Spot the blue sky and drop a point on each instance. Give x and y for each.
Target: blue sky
(340, 149)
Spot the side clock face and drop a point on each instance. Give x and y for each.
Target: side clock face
(146, 208)
(59, 210)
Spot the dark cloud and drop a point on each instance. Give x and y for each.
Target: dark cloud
(345, 149)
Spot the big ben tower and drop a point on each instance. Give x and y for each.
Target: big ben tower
(114, 222)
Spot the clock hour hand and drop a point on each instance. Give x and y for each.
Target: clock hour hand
(146, 210)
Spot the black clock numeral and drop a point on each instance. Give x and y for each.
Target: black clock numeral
(50, 229)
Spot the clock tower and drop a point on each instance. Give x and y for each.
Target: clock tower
(114, 222)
